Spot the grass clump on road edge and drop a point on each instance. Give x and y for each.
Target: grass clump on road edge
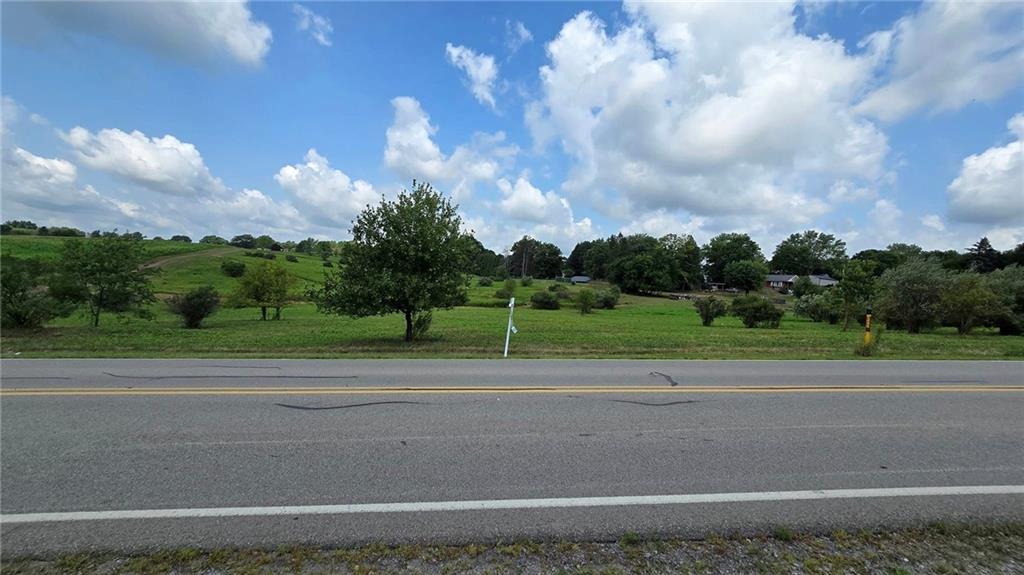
(941, 548)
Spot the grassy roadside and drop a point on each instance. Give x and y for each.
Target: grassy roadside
(649, 328)
(938, 549)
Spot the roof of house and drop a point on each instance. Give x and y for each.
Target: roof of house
(824, 277)
(580, 278)
(780, 278)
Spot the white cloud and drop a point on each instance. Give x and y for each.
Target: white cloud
(934, 222)
(319, 27)
(253, 211)
(885, 216)
(516, 35)
(162, 164)
(331, 196)
(663, 222)
(990, 186)
(715, 116)
(949, 54)
(412, 152)
(480, 69)
(846, 191)
(196, 32)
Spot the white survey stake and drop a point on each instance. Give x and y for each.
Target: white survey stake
(511, 328)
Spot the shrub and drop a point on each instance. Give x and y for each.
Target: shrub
(544, 300)
(291, 258)
(485, 281)
(195, 306)
(756, 311)
(1008, 285)
(557, 288)
(586, 300)
(328, 264)
(909, 295)
(967, 300)
(609, 298)
(269, 256)
(508, 289)
(24, 302)
(820, 307)
(526, 281)
(232, 268)
(709, 308)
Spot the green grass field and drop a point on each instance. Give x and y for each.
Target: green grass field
(639, 328)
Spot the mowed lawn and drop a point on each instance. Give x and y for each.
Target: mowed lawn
(639, 328)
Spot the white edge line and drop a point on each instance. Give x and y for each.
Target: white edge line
(483, 505)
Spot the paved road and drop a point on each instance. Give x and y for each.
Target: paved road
(220, 452)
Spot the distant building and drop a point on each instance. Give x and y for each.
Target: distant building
(780, 281)
(579, 280)
(823, 280)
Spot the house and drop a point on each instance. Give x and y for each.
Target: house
(823, 280)
(579, 280)
(780, 281)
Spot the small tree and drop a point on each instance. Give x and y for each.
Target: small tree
(747, 275)
(709, 308)
(25, 301)
(265, 285)
(107, 275)
(406, 256)
(195, 305)
(181, 238)
(586, 300)
(215, 240)
(507, 289)
(909, 295)
(756, 311)
(855, 289)
(967, 301)
(244, 241)
(804, 286)
(608, 298)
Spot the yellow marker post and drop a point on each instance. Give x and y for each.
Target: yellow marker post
(867, 327)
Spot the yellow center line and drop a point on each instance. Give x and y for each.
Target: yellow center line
(563, 389)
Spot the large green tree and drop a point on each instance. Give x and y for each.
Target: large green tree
(909, 295)
(686, 253)
(406, 256)
(982, 257)
(1008, 285)
(747, 275)
(106, 274)
(855, 289)
(810, 252)
(967, 300)
(724, 249)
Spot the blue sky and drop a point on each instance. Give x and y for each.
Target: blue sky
(879, 122)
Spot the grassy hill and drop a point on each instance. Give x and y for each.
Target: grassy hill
(48, 247)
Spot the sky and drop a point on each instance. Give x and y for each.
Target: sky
(878, 122)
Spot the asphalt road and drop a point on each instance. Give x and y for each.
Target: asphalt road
(217, 452)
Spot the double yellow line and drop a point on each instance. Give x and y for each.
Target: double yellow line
(519, 390)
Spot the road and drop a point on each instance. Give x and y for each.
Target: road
(138, 454)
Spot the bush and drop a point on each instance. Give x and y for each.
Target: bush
(24, 302)
(557, 288)
(232, 268)
(544, 300)
(269, 256)
(291, 258)
(508, 289)
(586, 300)
(709, 308)
(328, 264)
(756, 311)
(820, 307)
(485, 281)
(195, 306)
(909, 295)
(526, 281)
(609, 298)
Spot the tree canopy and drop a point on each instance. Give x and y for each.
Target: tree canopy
(724, 249)
(106, 274)
(810, 252)
(406, 256)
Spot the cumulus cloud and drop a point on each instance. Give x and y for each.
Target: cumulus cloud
(195, 32)
(662, 222)
(162, 164)
(934, 222)
(925, 73)
(846, 191)
(516, 35)
(714, 116)
(990, 186)
(331, 196)
(412, 152)
(480, 69)
(319, 27)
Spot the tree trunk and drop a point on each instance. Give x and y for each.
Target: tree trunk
(277, 313)
(263, 313)
(96, 318)
(408, 326)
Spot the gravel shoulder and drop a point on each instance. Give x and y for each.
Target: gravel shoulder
(937, 548)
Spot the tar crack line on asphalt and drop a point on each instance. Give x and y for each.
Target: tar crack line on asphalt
(316, 408)
(653, 404)
(668, 378)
